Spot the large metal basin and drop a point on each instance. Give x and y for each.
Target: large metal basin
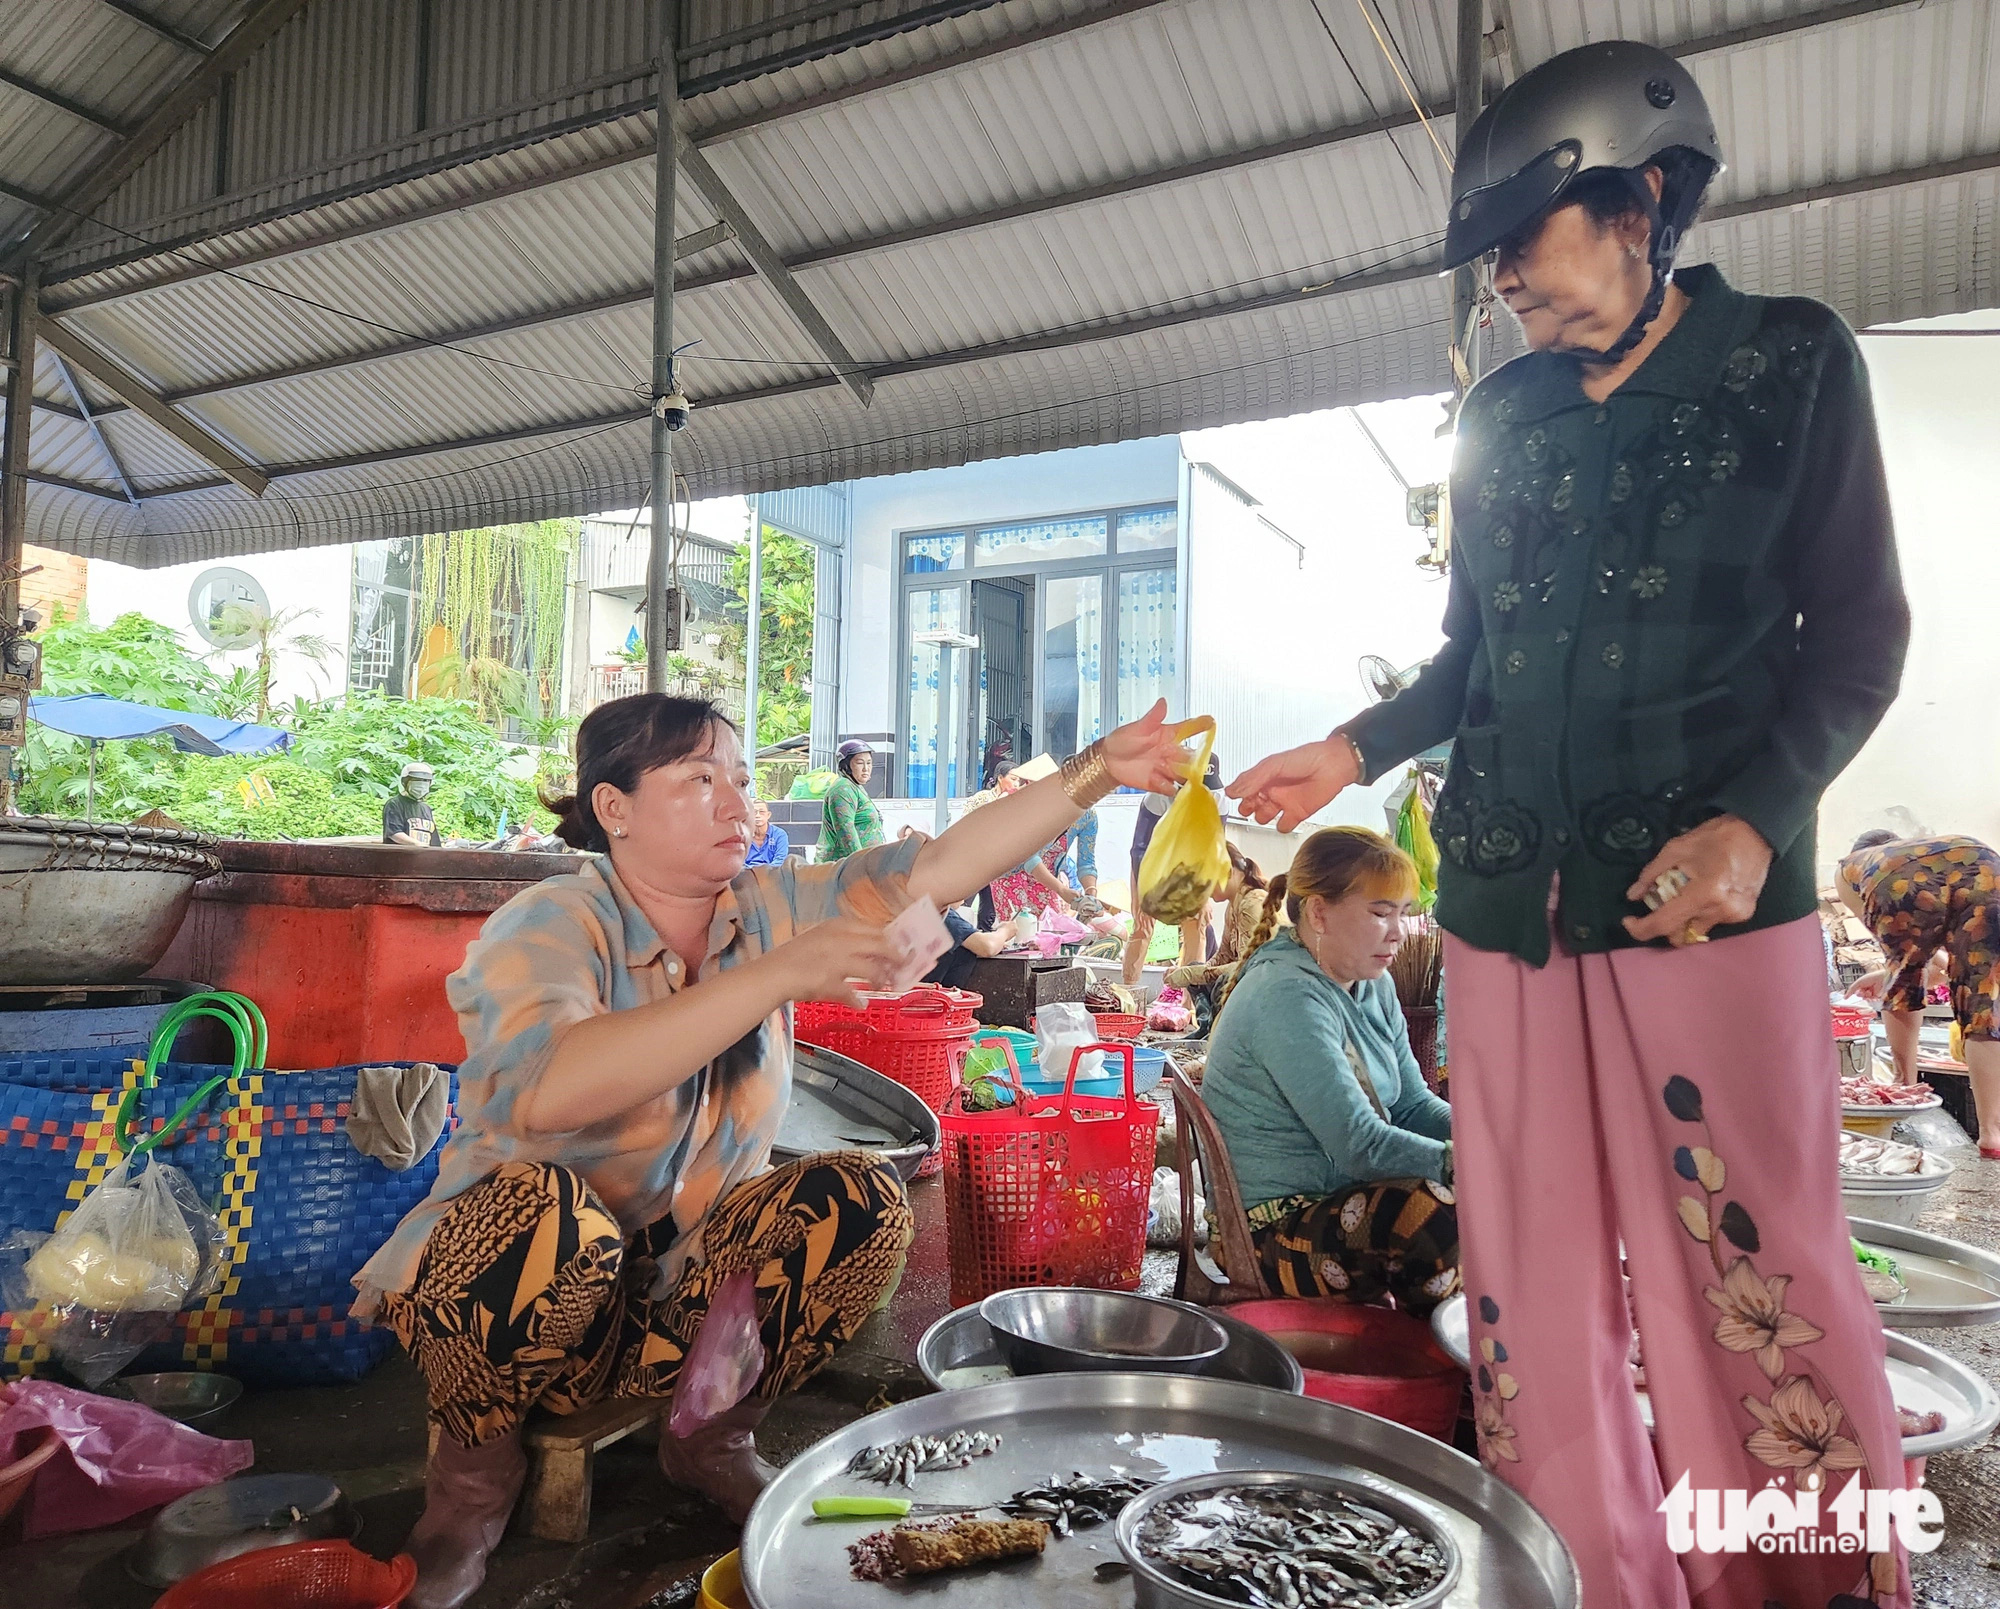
(92, 902)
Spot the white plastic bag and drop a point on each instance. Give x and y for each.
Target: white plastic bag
(133, 1253)
(1060, 1031)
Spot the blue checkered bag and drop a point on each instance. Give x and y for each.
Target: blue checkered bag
(301, 1208)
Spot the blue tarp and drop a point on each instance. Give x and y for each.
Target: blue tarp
(92, 715)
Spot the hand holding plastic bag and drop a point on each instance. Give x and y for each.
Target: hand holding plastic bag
(1188, 859)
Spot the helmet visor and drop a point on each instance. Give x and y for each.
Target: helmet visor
(1481, 219)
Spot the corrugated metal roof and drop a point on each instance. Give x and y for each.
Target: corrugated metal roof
(1035, 223)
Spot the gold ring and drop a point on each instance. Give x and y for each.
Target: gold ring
(1690, 936)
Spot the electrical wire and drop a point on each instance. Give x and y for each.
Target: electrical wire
(485, 507)
(1398, 63)
(1374, 110)
(341, 312)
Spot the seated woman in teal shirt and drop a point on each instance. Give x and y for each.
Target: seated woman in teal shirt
(1342, 1152)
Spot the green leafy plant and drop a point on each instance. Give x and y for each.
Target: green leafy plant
(270, 635)
(502, 592)
(785, 611)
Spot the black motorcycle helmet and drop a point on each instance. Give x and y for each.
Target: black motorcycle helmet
(1620, 107)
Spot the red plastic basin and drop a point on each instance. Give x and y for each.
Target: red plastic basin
(1372, 1358)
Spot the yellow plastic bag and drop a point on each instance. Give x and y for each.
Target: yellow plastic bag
(1188, 859)
(1413, 837)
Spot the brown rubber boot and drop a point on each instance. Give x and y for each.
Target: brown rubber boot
(720, 1459)
(469, 1493)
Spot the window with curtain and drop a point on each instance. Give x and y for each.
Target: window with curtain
(1149, 530)
(1041, 542)
(1073, 663)
(1148, 632)
(938, 551)
(938, 610)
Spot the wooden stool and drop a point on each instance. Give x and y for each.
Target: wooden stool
(562, 1455)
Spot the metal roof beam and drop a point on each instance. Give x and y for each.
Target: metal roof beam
(250, 35)
(27, 198)
(814, 49)
(688, 245)
(97, 435)
(1321, 140)
(36, 477)
(772, 270)
(152, 24)
(62, 103)
(142, 397)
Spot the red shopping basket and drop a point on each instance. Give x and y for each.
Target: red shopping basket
(918, 1039)
(1050, 1190)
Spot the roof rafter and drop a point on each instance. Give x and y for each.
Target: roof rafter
(120, 382)
(1319, 140)
(772, 270)
(1055, 340)
(96, 433)
(62, 103)
(152, 24)
(250, 35)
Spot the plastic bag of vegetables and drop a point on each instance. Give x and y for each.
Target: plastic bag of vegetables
(1188, 859)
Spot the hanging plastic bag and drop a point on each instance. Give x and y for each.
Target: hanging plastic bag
(1188, 859)
(1413, 837)
(726, 1360)
(1171, 1013)
(118, 1459)
(133, 1253)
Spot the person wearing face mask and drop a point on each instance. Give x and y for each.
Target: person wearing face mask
(406, 819)
(628, 1034)
(1674, 617)
(1343, 1154)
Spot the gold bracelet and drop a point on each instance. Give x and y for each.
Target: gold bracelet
(1087, 777)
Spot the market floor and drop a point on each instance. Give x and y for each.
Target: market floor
(648, 1543)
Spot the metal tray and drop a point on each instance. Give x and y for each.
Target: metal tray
(1163, 1427)
(1921, 1378)
(839, 1105)
(962, 1340)
(1950, 1283)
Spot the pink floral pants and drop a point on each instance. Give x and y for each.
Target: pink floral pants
(1682, 1103)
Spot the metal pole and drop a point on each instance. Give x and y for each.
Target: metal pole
(1465, 281)
(946, 736)
(14, 476)
(753, 631)
(657, 560)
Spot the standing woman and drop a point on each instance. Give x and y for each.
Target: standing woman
(852, 822)
(1675, 615)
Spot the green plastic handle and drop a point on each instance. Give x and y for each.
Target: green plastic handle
(860, 1508)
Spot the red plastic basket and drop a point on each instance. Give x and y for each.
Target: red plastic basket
(929, 1007)
(302, 1575)
(1852, 1022)
(1118, 1025)
(1048, 1191)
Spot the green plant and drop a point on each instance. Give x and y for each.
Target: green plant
(503, 594)
(270, 635)
(785, 610)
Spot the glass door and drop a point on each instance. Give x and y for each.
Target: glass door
(1072, 662)
(931, 609)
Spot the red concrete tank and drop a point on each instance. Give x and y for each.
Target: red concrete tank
(346, 946)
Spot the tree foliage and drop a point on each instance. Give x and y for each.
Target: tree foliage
(344, 761)
(786, 609)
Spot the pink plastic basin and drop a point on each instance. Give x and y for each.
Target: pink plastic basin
(1372, 1358)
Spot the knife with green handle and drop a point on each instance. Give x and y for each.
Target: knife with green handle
(874, 1508)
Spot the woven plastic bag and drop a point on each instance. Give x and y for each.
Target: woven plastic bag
(1188, 859)
(133, 1253)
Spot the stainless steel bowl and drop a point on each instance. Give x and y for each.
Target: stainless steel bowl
(1156, 1589)
(960, 1350)
(1062, 1329)
(240, 1516)
(186, 1397)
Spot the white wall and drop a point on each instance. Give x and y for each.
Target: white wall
(1027, 487)
(1360, 592)
(319, 579)
(1937, 754)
